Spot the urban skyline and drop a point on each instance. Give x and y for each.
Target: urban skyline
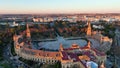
(58, 6)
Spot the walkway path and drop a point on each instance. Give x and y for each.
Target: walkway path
(13, 59)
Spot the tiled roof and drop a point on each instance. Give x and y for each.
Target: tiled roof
(43, 53)
(74, 57)
(98, 53)
(65, 55)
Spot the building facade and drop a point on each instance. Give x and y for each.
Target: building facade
(72, 57)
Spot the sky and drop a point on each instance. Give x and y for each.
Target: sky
(58, 6)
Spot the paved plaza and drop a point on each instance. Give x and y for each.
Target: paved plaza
(54, 45)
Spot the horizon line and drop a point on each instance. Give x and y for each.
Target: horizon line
(64, 13)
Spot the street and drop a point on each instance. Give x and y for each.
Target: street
(13, 59)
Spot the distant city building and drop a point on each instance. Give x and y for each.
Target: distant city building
(98, 27)
(14, 24)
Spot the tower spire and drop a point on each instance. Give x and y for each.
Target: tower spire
(61, 47)
(102, 65)
(89, 29)
(28, 31)
(28, 35)
(89, 45)
(15, 37)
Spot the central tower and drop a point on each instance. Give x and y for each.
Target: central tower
(28, 32)
(88, 29)
(28, 35)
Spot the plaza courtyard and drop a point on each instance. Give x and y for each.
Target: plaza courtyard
(66, 42)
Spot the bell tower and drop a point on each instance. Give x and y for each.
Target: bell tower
(15, 37)
(89, 29)
(61, 47)
(28, 31)
(28, 35)
(102, 65)
(89, 45)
